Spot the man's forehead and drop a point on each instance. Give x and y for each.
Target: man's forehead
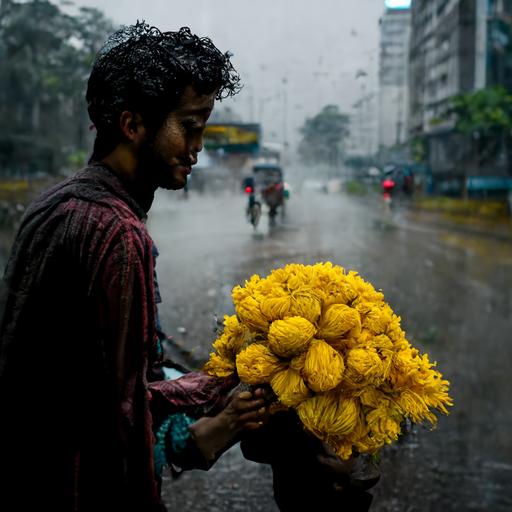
(193, 103)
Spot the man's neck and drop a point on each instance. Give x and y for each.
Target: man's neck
(125, 166)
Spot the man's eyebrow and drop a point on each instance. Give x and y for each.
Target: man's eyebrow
(196, 111)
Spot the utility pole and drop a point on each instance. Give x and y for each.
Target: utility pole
(285, 118)
(481, 19)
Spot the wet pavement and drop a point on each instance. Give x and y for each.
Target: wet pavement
(451, 288)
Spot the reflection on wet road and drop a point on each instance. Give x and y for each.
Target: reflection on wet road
(452, 291)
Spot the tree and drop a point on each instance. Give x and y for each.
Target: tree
(485, 116)
(323, 137)
(45, 59)
(483, 121)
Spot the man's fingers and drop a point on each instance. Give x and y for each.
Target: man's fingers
(259, 393)
(247, 405)
(253, 425)
(253, 416)
(264, 393)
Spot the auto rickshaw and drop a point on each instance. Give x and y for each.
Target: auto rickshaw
(269, 185)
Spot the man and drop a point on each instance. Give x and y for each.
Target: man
(78, 326)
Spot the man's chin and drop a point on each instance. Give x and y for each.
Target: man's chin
(174, 183)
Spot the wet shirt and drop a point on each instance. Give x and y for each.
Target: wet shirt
(77, 335)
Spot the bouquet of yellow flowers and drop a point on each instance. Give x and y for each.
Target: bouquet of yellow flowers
(332, 349)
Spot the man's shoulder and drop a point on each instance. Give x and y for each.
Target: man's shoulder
(94, 192)
(89, 203)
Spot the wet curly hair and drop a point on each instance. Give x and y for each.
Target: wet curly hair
(141, 69)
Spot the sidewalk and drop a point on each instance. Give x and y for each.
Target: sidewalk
(498, 229)
(406, 214)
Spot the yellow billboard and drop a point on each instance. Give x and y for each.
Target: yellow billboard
(233, 137)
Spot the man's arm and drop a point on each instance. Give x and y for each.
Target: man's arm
(126, 311)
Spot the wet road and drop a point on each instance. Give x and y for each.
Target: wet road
(451, 289)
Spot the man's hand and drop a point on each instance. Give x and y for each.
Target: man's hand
(245, 410)
(358, 472)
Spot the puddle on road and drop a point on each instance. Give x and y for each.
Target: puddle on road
(483, 248)
(483, 257)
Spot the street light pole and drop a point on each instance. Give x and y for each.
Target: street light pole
(285, 118)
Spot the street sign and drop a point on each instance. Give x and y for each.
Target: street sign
(233, 137)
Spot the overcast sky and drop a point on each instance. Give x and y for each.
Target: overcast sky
(294, 56)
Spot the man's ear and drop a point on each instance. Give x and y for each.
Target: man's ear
(132, 126)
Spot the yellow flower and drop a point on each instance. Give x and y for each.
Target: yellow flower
(343, 449)
(412, 405)
(339, 320)
(298, 362)
(368, 445)
(290, 387)
(363, 367)
(323, 367)
(433, 390)
(382, 342)
(338, 293)
(275, 308)
(365, 290)
(218, 366)
(306, 305)
(249, 312)
(378, 318)
(331, 348)
(394, 331)
(257, 364)
(299, 276)
(404, 367)
(240, 293)
(233, 338)
(370, 396)
(289, 337)
(222, 347)
(329, 415)
(384, 423)
(279, 275)
(232, 326)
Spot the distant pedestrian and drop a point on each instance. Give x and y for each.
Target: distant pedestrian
(388, 186)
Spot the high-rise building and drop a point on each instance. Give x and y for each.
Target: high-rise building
(457, 46)
(443, 58)
(497, 37)
(393, 66)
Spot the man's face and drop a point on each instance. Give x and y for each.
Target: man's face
(169, 157)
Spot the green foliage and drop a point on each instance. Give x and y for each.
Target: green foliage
(45, 60)
(418, 148)
(77, 159)
(356, 187)
(323, 136)
(486, 112)
(486, 117)
(469, 208)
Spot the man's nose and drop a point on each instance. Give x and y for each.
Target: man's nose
(198, 147)
(194, 150)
